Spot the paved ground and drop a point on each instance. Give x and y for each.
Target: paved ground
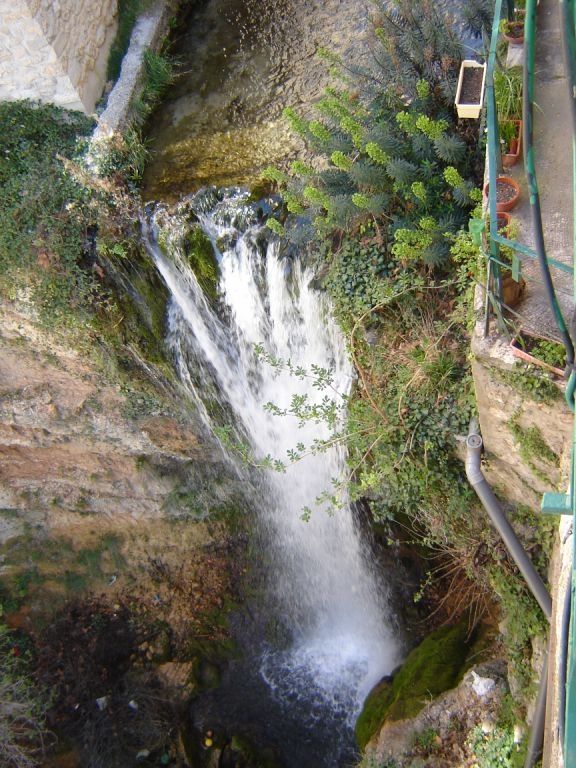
(553, 158)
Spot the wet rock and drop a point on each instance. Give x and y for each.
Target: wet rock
(168, 435)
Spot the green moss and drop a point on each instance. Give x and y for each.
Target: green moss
(431, 668)
(532, 446)
(200, 255)
(74, 582)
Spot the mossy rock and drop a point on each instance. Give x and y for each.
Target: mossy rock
(242, 753)
(200, 254)
(436, 665)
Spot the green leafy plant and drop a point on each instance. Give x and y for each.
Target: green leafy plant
(524, 621)
(159, 73)
(532, 448)
(496, 749)
(551, 352)
(402, 162)
(533, 383)
(509, 132)
(508, 92)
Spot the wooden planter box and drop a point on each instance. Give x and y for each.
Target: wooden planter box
(470, 89)
(520, 346)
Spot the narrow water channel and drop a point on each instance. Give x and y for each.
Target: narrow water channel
(241, 63)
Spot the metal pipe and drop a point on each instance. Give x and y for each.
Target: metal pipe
(492, 506)
(538, 721)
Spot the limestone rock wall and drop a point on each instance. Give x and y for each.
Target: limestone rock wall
(74, 445)
(55, 50)
(500, 404)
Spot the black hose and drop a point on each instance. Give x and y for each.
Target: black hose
(528, 118)
(536, 740)
(563, 663)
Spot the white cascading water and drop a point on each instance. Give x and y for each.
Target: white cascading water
(321, 579)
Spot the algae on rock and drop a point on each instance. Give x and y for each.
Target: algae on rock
(432, 667)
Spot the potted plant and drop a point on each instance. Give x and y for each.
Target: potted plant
(512, 30)
(508, 92)
(511, 141)
(508, 96)
(540, 351)
(507, 193)
(470, 89)
(512, 284)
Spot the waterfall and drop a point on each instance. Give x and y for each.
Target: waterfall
(339, 635)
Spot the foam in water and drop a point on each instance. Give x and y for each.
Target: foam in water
(321, 581)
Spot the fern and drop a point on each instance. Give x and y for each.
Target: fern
(423, 148)
(437, 253)
(342, 211)
(462, 194)
(336, 182)
(380, 134)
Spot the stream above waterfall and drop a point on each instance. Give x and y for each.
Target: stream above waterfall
(241, 63)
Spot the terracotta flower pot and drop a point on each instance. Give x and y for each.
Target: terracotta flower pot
(503, 220)
(514, 152)
(513, 32)
(507, 193)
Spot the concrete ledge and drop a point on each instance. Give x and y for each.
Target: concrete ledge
(147, 33)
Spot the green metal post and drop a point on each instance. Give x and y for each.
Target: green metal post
(568, 17)
(529, 164)
(494, 155)
(570, 710)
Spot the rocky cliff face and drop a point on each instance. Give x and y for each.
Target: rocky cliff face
(87, 459)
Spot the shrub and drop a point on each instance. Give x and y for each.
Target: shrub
(22, 707)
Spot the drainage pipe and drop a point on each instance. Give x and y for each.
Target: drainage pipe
(492, 506)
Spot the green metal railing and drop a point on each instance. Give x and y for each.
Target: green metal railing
(568, 9)
(497, 239)
(555, 503)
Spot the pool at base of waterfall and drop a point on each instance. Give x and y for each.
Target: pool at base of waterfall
(281, 711)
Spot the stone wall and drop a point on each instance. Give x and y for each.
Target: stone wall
(500, 403)
(55, 50)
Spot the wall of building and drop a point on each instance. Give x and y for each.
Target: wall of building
(56, 50)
